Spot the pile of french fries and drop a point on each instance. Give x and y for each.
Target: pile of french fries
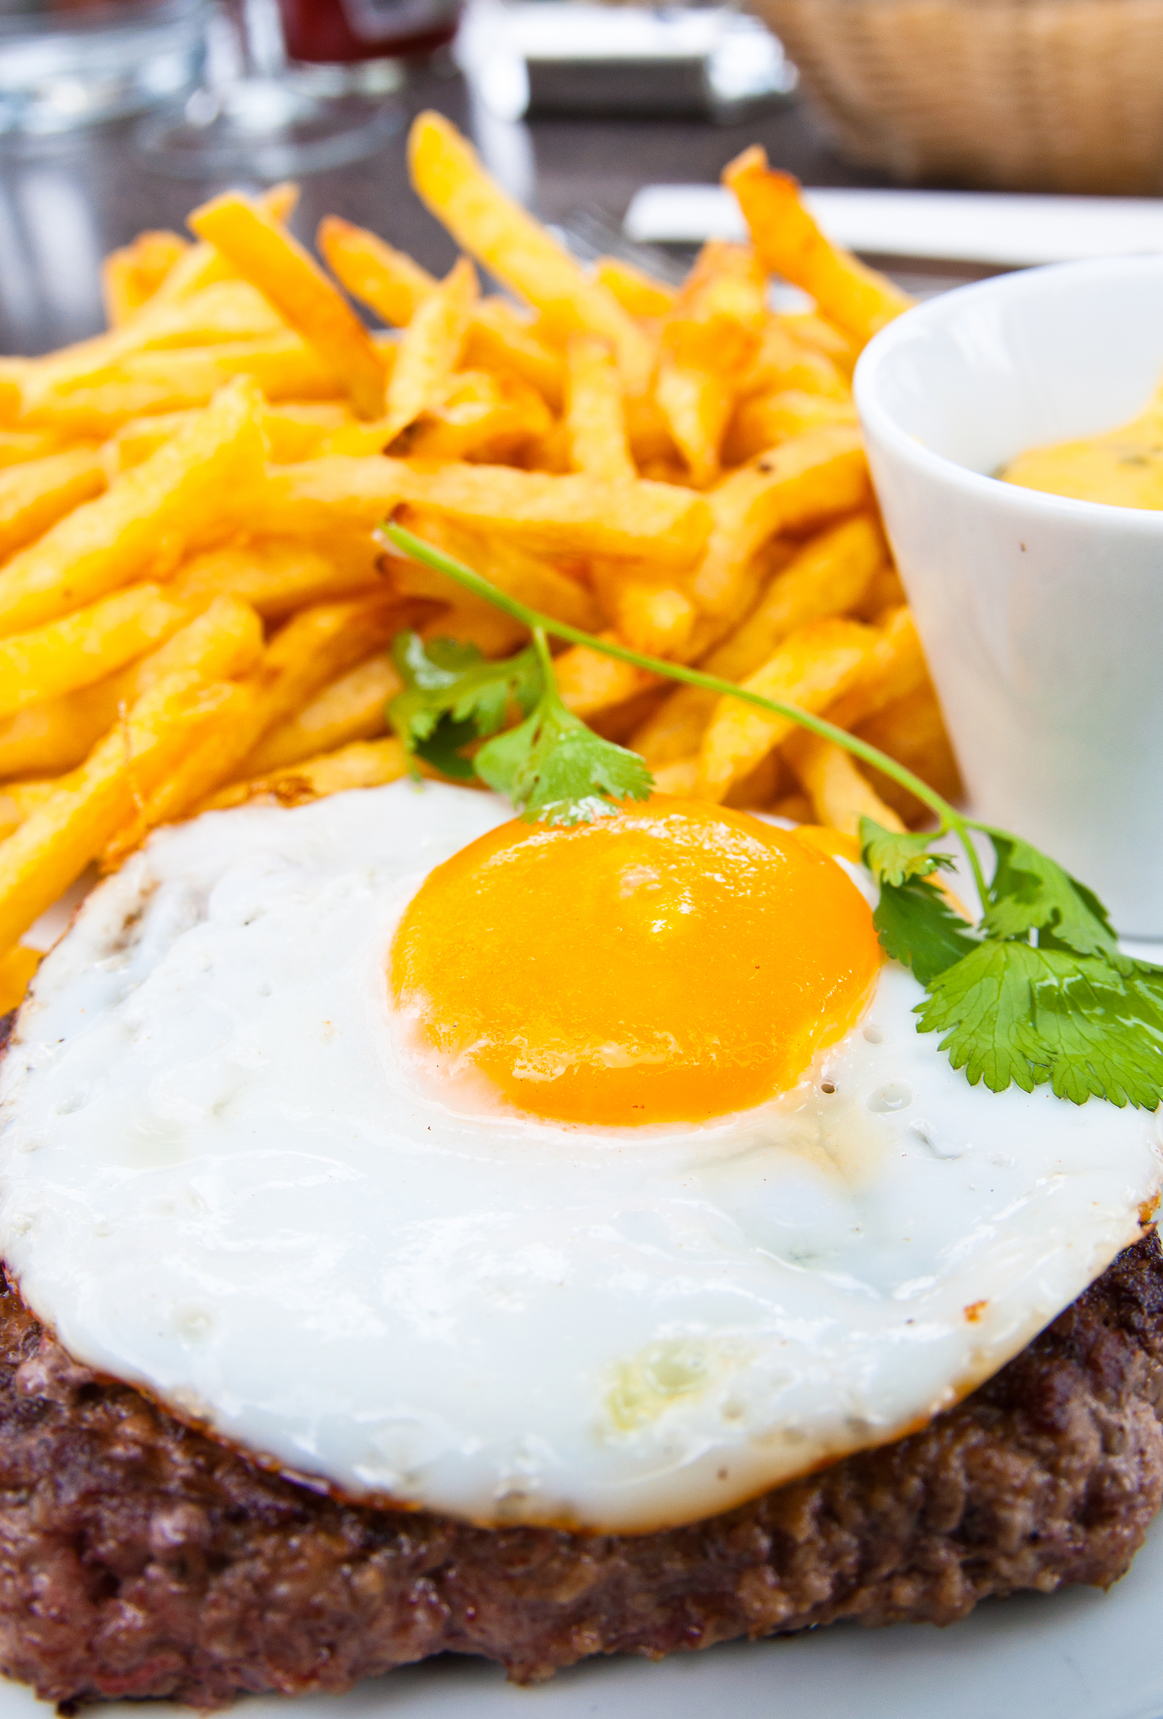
(193, 612)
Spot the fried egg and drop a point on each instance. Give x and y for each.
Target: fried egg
(594, 1177)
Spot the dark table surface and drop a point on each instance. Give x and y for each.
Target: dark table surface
(65, 202)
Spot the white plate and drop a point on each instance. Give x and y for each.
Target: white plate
(1079, 1654)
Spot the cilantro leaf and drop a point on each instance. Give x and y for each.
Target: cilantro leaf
(555, 768)
(1030, 892)
(893, 856)
(1014, 1013)
(453, 696)
(918, 928)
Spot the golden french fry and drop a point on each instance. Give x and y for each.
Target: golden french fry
(893, 668)
(589, 682)
(200, 479)
(299, 290)
(222, 314)
(654, 618)
(84, 647)
(314, 647)
(428, 352)
(293, 430)
(351, 708)
(885, 592)
(395, 287)
(805, 482)
(16, 970)
(637, 292)
(679, 776)
(705, 344)
(574, 514)
(283, 367)
(696, 404)
(810, 669)
(782, 362)
(386, 280)
(765, 420)
(498, 339)
(675, 730)
(790, 243)
(201, 265)
(512, 568)
(58, 839)
(798, 808)
(485, 222)
(35, 494)
(840, 795)
(131, 276)
(812, 329)
(829, 575)
(481, 416)
(18, 799)
(595, 419)
(912, 731)
(276, 576)
(363, 764)
(18, 446)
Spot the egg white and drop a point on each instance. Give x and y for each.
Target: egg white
(221, 1180)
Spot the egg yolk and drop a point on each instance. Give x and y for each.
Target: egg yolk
(671, 962)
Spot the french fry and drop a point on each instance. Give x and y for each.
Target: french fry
(828, 576)
(840, 795)
(816, 477)
(637, 292)
(131, 276)
(512, 568)
(480, 416)
(84, 647)
(782, 362)
(675, 730)
(885, 592)
(386, 280)
(654, 618)
(575, 514)
(314, 647)
(293, 431)
(395, 287)
(811, 329)
(202, 265)
(912, 731)
(705, 344)
(57, 841)
(276, 576)
(790, 243)
(299, 290)
(679, 776)
(595, 418)
(516, 249)
(765, 420)
(428, 352)
(16, 971)
(283, 367)
(893, 668)
(21, 798)
(810, 669)
(55, 734)
(589, 682)
(361, 765)
(34, 495)
(19, 446)
(226, 312)
(199, 480)
(352, 708)
(799, 809)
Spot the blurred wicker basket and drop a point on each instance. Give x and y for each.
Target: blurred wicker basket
(1037, 95)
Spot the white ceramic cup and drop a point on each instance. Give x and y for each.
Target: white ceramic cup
(1042, 617)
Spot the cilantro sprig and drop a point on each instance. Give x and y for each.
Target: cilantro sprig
(1036, 992)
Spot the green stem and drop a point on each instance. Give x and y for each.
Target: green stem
(539, 625)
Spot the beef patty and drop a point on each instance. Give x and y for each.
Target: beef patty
(139, 1557)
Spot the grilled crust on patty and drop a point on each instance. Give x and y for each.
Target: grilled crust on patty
(139, 1557)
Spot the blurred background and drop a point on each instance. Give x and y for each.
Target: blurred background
(945, 139)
